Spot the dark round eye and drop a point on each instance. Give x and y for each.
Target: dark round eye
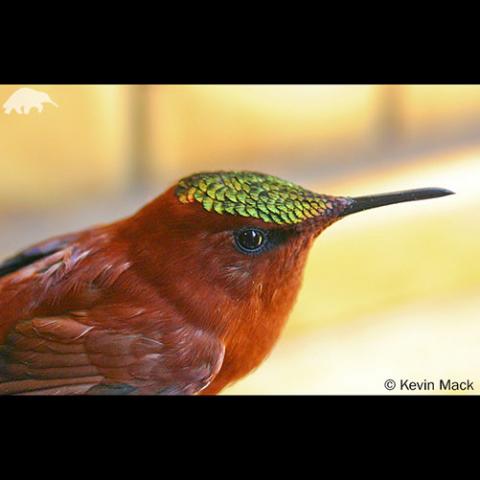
(250, 240)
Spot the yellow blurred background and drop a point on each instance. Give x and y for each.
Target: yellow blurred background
(388, 293)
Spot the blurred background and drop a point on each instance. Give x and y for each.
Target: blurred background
(388, 293)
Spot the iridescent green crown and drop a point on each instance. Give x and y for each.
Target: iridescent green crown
(251, 194)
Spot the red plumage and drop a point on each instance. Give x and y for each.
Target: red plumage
(161, 302)
(145, 305)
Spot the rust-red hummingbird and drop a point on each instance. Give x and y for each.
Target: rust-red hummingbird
(184, 297)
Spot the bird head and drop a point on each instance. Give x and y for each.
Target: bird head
(233, 245)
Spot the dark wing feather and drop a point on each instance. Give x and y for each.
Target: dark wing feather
(34, 253)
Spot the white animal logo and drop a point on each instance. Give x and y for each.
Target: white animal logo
(24, 99)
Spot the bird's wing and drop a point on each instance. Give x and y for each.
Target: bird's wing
(68, 327)
(65, 355)
(34, 253)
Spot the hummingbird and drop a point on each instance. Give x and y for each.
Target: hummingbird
(186, 296)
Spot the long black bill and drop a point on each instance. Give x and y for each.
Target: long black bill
(373, 201)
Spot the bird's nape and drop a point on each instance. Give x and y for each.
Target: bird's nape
(359, 204)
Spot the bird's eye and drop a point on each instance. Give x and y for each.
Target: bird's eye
(250, 240)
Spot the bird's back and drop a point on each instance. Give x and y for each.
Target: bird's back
(76, 319)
